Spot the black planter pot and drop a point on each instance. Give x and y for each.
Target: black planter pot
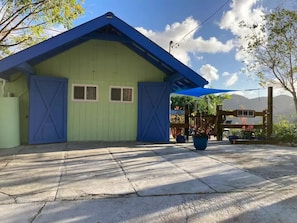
(200, 142)
(180, 138)
(232, 137)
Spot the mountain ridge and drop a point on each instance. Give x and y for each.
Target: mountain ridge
(283, 105)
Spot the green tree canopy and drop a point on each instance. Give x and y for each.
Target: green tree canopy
(181, 101)
(207, 103)
(25, 22)
(272, 49)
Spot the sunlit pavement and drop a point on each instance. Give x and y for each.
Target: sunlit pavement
(133, 182)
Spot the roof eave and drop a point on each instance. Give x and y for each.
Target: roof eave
(177, 72)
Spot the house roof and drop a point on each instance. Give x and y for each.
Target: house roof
(111, 28)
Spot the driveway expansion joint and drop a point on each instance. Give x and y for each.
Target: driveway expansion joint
(123, 170)
(62, 169)
(14, 197)
(185, 171)
(38, 212)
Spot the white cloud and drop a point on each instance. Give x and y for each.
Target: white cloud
(249, 11)
(184, 42)
(231, 78)
(248, 94)
(199, 57)
(277, 87)
(241, 93)
(225, 74)
(281, 91)
(212, 45)
(209, 72)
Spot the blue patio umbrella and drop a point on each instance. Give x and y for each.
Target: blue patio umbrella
(197, 92)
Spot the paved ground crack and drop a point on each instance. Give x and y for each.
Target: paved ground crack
(11, 158)
(62, 169)
(123, 170)
(189, 208)
(6, 163)
(187, 172)
(11, 196)
(38, 212)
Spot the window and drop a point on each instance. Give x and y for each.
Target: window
(85, 92)
(121, 94)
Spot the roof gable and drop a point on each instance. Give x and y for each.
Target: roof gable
(106, 27)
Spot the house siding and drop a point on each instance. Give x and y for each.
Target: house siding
(103, 63)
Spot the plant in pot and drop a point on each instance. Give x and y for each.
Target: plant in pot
(202, 128)
(201, 134)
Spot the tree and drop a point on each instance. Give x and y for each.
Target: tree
(181, 101)
(25, 22)
(272, 49)
(207, 103)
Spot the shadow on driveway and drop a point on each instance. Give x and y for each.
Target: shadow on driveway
(134, 182)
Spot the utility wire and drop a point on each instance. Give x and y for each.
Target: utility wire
(204, 21)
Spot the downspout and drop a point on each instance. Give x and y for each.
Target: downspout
(3, 86)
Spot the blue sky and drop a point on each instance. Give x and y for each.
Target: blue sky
(211, 49)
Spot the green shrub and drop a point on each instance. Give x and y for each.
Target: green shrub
(285, 131)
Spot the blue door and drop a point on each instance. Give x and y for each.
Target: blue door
(47, 110)
(153, 112)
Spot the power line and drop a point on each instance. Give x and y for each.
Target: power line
(204, 21)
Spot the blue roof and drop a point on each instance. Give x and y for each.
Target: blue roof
(111, 28)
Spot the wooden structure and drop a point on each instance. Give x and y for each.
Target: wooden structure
(179, 124)
(221, 125)
(267, 118)
(182, 121)
(183, 126)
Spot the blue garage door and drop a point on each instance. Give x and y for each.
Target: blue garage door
(48, 110)
(153, 112)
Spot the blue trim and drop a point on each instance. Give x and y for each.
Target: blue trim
(48, 109)
(153, 112)
(51, 44)
(116, 30)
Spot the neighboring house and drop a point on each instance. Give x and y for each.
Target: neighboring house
(102, 80)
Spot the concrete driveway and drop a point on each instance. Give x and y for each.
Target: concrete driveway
(130, 182)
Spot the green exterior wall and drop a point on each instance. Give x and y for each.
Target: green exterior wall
(102, 63)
